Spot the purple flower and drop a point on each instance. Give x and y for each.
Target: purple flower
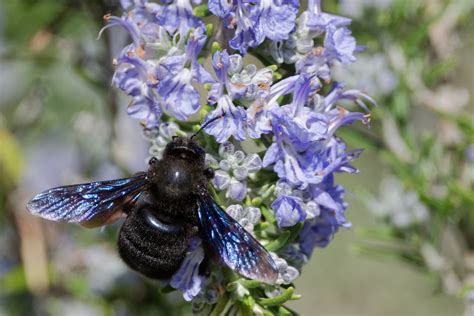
(251, 87)
(254, 21)
(131, 77)
(145, 108)
(247, 83)
(160, 84)
(299, 48)
(314, 62)
(328, 103)
(277, 18)
(175, 87)
(180, 98)
(231, 122)
(241, 16)
(319, 231)
(187, 278)
(339, 44)
(296, 129)
(178, 16)
(288, 210)
(305, 150)
(259, 117)
(318, 21)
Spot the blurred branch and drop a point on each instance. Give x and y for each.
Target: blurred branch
(33, 251)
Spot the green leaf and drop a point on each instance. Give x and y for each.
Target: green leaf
(250, 284)
(269, 192)
(246, 306)
(296, 297)
(285, 238)
(278, 243)
(279, 299)
(267, 214)
(220, 305)
(284, 312)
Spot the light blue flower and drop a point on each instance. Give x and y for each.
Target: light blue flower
(230, 123)
(317, 21)
(180, 97)
(319, 231)
(247, 217)
(286, 273)
(288, 210)
(241, 16)
(251, 87)
(254, 21)
(160, 137)
(339, 44)
(177, 15)
(187, 278)
(164, 84)
(401, 208)
(277, 18)
(313, 59)
(234, 169)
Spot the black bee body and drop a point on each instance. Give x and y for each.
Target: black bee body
(151, 246)
(165, 207)
(154, 238)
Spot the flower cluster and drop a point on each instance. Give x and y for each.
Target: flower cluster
(293, 116)
(160, 67)
(234, 169)
(401, 208)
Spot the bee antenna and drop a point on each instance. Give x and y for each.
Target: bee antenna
(207, 123)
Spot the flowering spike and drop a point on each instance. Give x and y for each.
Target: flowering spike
(291, 109)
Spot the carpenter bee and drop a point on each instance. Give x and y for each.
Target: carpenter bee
(165, 207)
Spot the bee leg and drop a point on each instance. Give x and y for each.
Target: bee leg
(209, 173)
(205, 267)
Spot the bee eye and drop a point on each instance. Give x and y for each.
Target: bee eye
(152, 160)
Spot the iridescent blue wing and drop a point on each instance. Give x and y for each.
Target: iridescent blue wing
(232, 244)
(90, 204)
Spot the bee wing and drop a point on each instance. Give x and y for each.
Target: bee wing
(229, 241)
(90, 204)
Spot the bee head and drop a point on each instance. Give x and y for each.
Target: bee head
(184, 148)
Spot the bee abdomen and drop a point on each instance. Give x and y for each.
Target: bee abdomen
(154, 253)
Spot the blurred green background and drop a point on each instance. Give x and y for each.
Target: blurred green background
(61, 122)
